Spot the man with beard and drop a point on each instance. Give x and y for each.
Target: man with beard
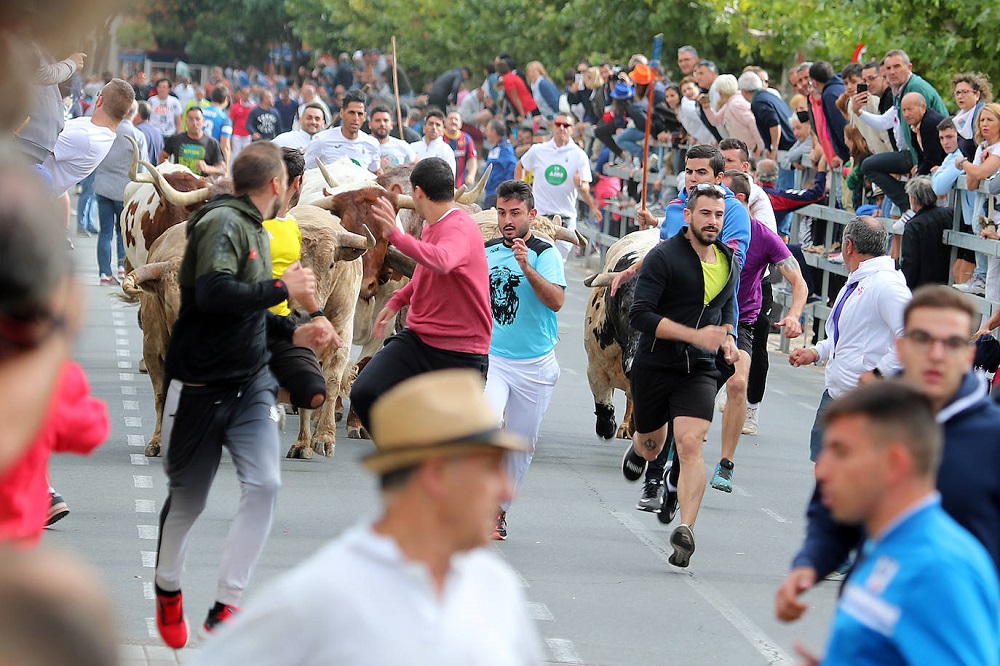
(395, 152)
(218, 388)
(527, 289)
(312, 121)
(348, 139)
(685, 312)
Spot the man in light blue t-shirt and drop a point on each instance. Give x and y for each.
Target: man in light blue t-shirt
(527, 288)
(217, 122)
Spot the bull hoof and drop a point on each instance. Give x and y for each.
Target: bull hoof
(153, 450)
(357, 432)
(606, 424)
(300, 452)
(625, 431)
(142, 367)
(324, 448)
(339, 414)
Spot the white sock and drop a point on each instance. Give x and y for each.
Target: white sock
(753, 405)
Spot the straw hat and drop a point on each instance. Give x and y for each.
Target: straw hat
(436, 414)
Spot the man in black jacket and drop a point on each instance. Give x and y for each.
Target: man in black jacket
(683, 309)
(925, 259)
(218, 388)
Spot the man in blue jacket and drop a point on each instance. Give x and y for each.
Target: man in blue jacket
(937, 357)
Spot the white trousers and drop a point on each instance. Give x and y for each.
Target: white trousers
(519, 390)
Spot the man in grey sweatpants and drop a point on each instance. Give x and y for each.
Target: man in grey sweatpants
(218, 388)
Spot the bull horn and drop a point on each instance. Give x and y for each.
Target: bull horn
(133, 170)
(404, 201)
(570, 236)
(473, 195)
(326, 203)
(326, 174)
(399, 262)
(581, 240)
(350, 245)
(145, 273)
(599, 280)
(180, 199)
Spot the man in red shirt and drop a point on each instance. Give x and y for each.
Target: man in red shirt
(239, 111)
(517, 92)
(449, 323)
(466, 158)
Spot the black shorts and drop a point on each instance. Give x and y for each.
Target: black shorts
(658, 396)
(744, 341)
(298, 371)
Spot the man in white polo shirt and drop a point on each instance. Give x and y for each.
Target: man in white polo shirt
(311, 122)
(348, 139)
(562, 173)
(395, 152)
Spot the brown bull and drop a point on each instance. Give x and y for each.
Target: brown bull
(326, 248)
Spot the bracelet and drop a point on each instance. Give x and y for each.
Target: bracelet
(732, 333)
(318, 313)
(878, 373)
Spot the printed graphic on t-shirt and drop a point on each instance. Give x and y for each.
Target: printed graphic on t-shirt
(503, 297)
(189, 154)
(556, 175)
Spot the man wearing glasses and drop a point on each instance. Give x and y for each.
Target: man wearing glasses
(562, 174)
(937, 355)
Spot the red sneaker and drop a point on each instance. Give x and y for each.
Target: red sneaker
(170, 620)
(219, 615)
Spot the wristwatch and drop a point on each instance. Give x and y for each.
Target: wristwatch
(318, 313)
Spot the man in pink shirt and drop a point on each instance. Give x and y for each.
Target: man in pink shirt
(449, 322)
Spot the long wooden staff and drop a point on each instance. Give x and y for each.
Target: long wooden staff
(395, 87)
(645, 142)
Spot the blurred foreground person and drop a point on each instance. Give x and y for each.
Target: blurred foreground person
(415, 586)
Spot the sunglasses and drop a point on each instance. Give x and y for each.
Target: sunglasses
(563, 124)
(710, 187)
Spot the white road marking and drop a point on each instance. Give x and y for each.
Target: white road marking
(779, 391)
(138, 458)
(123, 365)
(129, 390)
(521, 579)
(807, 405)
(124, 353)
(777, 516)
(121, 342)
(121, 331)
(151, 627)
(743, 624)
(136, 440)
(148, 592)
(148, 532)
(539, 611)
(570, 371)
(145, 506)
(126, 377)
(133, 421)
(148, 558)
(562, 651)
(739, 490)
(130, 405)
(140, 481)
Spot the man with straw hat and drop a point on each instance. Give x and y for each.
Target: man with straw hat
(415, 586)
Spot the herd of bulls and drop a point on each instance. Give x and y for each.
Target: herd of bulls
(357, 271)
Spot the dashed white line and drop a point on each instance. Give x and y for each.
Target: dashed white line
(148, 532)
(140, 481)
(743, 624)
(138, 458)
(151, 627)
(121, 331)
(130, 405)
(133, 421)
(148, 592)
(121, 342)
(148, 558)
(123, 353)
(129, 390)
(539, 611)
(145, 506)
(777, 516)
(136, 440)
(122, 365)
(562, 651)
(126, 376)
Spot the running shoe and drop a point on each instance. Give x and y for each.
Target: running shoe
(500, 531)
(58, 509)
(669, 508)
(651, 499)
(633, 465)
(682, 540)
(750, 425)
(170, 620)
(723, 479)
(219, 615)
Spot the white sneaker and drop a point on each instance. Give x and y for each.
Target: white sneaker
(750, 425)
(720, 400)
(976, 285)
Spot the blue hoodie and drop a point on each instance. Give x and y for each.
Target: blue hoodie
(968, 480)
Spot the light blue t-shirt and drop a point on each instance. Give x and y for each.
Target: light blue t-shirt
(217, 122)
(523, 327)
(926, 592)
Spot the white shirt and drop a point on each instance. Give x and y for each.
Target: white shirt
(396, 152)
(555, 171)
(360, 602)
(302, 107)
(79, 148)
(761, 208)
(870, 322)
(296, 138)
(436, 148)
(163, 114)
(691, 121)
(886, 121)
(331, 144)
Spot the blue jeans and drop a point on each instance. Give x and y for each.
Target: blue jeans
(816, 435)
(85, 205)
(109, 211)
(631, 140)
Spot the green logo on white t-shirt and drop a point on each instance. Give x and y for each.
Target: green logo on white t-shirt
(556, 175)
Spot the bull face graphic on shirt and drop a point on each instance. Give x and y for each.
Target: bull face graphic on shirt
(503, 297)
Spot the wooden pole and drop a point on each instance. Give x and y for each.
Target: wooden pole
(395, 88)
(645, 142)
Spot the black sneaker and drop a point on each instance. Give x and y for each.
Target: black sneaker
(723, 479)
(669, 508)
(219, 615)
(682, 540)
(651, 498)
(633, 465)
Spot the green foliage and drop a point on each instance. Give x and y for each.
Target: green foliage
(135, 35)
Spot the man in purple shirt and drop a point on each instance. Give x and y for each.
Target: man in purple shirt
(765, 248)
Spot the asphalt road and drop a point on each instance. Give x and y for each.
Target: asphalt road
(595, 569)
